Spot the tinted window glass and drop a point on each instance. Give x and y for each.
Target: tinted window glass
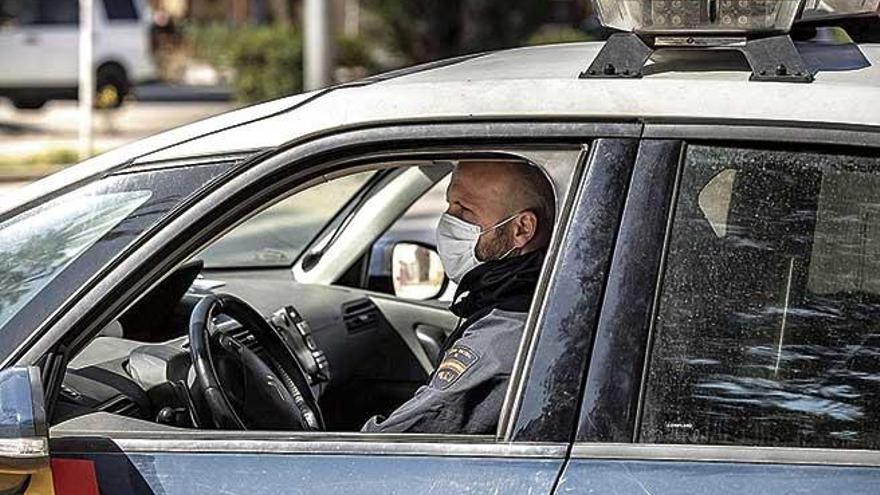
(768, 325)
(120, 10)
(276, 236)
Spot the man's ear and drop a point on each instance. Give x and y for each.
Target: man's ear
(525, 229)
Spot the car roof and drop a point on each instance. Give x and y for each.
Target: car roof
(522, 83)
(541, 82)
(567, 61)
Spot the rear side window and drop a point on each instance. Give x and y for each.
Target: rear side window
(767, 331)
(120, 10)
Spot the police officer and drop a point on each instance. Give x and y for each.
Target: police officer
(492, 240)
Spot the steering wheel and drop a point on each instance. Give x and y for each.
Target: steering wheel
(274, 392)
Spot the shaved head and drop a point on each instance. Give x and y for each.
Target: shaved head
(486, 192)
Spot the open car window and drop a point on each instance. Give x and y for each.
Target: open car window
(277, 236)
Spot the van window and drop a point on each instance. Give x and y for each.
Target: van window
(12, 11)
(120, 10)
(56, 12)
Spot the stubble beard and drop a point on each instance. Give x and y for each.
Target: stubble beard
(495, 244)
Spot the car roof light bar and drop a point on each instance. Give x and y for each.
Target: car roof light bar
(756, 28)
(722, 17)
(773, 58)
(694, 17)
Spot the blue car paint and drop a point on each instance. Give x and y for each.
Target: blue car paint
(716, 478)
(188, 473)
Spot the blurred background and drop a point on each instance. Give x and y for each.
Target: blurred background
(162, 63)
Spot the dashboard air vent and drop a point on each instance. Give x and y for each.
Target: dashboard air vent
(360, 316)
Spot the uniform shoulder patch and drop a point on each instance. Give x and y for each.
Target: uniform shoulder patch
(456, 361)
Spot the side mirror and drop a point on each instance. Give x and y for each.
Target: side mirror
(24, 442)
(416, 272)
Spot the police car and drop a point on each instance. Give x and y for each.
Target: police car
(707, 319)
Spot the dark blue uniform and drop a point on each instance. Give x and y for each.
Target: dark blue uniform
(468, 387)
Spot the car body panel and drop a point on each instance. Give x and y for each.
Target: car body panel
(542, 82)
(631, 477)
(253, 472)
(133, 456)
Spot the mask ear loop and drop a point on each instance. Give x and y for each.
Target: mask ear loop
(499, 224)
(507, 253)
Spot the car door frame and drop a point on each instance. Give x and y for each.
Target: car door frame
(606, 451)
(306, 162)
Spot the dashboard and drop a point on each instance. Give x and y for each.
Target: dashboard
(140, 365)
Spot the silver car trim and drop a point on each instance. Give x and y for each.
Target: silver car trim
(323, 443)
(762, 132)
(725, 453)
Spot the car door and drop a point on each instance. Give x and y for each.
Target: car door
(737, 349)
(122, 455)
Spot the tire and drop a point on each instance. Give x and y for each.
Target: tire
(28, 103)
(111, 86)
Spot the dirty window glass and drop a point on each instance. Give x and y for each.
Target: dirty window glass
(768, 325)
(37, 245)
(276, 236)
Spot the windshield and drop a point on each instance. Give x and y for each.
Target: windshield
(39, 244)
(277, 236)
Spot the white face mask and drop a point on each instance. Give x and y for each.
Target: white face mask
(457, 244)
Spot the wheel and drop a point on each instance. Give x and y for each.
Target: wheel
(111, 86)
(28, 103)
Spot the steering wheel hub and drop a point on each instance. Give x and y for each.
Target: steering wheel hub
(275, 390)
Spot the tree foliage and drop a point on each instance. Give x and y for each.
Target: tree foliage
(423, 30)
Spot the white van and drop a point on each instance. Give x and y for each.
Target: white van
(39, 50)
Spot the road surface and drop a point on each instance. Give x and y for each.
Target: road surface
(54, 127)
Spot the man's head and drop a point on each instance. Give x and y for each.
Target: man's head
(486, 193)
